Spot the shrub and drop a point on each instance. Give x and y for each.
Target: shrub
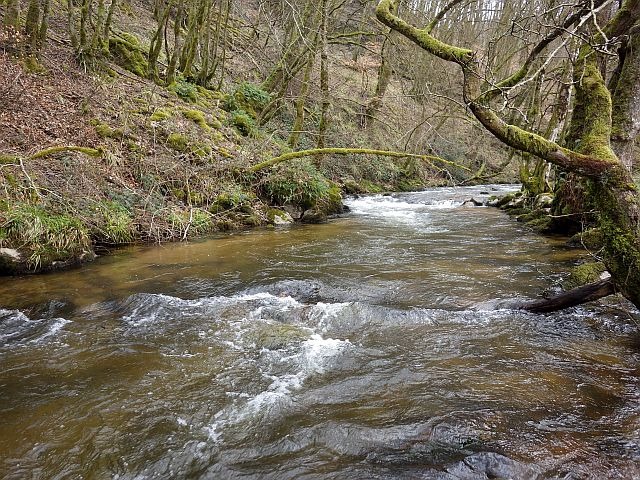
(298, 183)
(113, 224)
(185, 90)
(249, 98)
(46, 237)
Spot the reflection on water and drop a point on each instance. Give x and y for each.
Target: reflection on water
(357, 349)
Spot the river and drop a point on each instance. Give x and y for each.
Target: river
(366, 348)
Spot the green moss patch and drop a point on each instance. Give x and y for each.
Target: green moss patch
(126, 51)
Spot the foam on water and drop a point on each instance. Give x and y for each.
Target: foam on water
(314, 357)
(16, 326)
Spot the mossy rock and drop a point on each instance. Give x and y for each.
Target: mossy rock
(127, 53)
(584, 274)
(517, 211)
(276, 216)
(178, 142)
(591, 239)
(244, 123)
(371, 187)
(233, 198)
(503, 201)
(248, 98)
(541, 224)
(215, 123)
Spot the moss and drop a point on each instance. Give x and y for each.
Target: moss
(243, 123)
(160, 115)
(92, 152)
(197, 116)
(8, 159)
(275, 213)
(127, 53)
(216, 137)
(591, 239)
(215, 123)
(584, 274)
(178, 142)
(301, 184)
(105, 131)
(331, 202)
(370, 187)
(201, 150)
(351, 187)
(248, 98)
(31, 65)
(541, 224)
(224, 152)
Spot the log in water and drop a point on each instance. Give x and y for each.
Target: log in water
(365, 348)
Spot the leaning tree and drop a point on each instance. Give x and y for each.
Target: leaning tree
(605, 117)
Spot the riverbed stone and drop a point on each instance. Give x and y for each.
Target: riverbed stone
(313, 215)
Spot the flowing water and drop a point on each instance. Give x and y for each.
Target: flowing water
(366, 348)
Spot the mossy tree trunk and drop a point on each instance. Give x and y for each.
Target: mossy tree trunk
(298, 123)
(12, 15)
(612, 189)
(324, 75)
(626, 100)
(384, 77)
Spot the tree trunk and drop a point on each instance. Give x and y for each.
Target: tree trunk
(324, 76)
(298, 124)
(384, 77)
(626, 104)
(572, 298)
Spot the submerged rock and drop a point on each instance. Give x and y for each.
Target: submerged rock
(278, 336)
(486, 465)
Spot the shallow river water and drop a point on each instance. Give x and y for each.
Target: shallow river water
(368, 348)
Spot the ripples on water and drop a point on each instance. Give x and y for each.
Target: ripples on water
(359, 349)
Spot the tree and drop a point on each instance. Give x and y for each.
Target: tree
(590, 154)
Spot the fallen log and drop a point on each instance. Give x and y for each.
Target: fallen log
(571, 298)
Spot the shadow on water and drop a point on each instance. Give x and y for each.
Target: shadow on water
(359, 349)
